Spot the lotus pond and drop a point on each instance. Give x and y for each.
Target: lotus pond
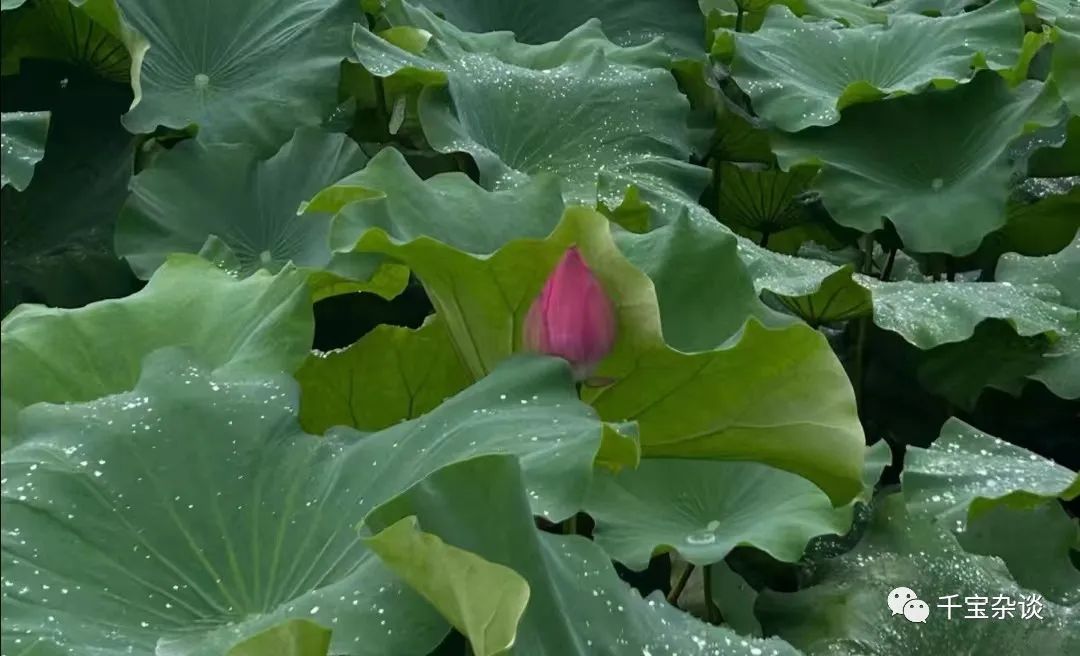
(540, 327)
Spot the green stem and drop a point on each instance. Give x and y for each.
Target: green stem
(569, 527)
(887, 271)
(712, 613)
(861, 330)
(676, 590)
(739, 18)
(764, 241)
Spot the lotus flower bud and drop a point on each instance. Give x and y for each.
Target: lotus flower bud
(572, 318)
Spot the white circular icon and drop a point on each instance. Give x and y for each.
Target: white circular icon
(899, 597)
(916, 610)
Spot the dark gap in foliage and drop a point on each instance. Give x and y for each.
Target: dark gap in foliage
(341, 320)
(57, 234)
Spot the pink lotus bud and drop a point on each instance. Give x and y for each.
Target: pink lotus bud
(572, 318)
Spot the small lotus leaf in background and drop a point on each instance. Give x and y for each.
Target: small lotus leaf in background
(391, 374)
(578, 606)
(1034, 543)
(702, 289)
(194, 192)
(1060, 157)
(728, 405)
(801, 82)
(22, 141)
(256, 71)
(1065, 66)
(704, 509)
(58, 233)
(481, 599)
(85, 33)
(678, 22)
(1061, 270)
(583, 97)
(201, 514)
(290, 638)
(966, 472)
(926, 315)
(1059, 369)
(261, 323)
(994, 356)
(388, 194)
(762, 199)
(934, 172)
(844, 611)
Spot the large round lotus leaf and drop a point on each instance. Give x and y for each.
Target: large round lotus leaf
(243, 72)
(678, 22)
(716, 403)
(577, 606)
(942, 189)
(844, 611)
(58, 232)
(192, 512)
(800, 74)
(965, 472)
(575, 107)
(195, 191)
(704, 509)
(262, 323)
(22, 142)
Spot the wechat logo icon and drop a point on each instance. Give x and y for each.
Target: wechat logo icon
(904, 601)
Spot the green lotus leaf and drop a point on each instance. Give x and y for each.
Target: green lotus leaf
(1060, 158)
(704, 509)
(255, 72)
(720, 396)
(934, 173)
(762, 199)
(58, 232)
(577, 604)
(391, 374)
(734, 598)
(85, 33)
(387, 194)
(290, 638)
(1061, 271)
(1034, 543)
(994, 356)
(261, 323)
(1049, 11)
(679, 23)
(22, 139)
(483, 600)
(248, 206)
(1059, 368)
(801, 82)
(929, 7)
(1065, 66)
(584, 98)
(192, 512)
(844, 612)
(702, 289)
(965, 472)
(926, 315)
